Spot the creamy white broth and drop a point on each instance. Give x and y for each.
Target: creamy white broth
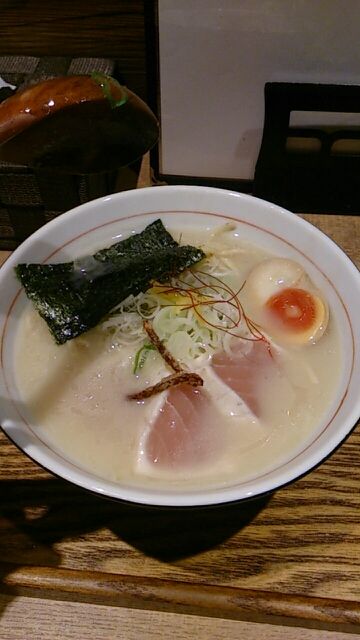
(77, 393)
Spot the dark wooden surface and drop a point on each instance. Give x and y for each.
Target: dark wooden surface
(86, 28)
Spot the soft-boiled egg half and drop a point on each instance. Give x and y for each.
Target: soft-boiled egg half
(285, 302)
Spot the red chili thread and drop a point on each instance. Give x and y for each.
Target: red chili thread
(181, 287)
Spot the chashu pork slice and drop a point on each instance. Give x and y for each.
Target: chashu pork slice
(186, 430)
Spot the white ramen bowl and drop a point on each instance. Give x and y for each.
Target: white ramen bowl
(96, 224)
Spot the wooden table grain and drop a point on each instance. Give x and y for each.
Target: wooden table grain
(82, 28)
(284, 566)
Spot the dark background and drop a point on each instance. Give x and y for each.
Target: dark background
(113, 28)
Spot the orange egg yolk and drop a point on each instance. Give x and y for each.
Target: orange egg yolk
(294, 308)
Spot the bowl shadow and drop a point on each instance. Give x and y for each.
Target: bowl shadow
(63, 510)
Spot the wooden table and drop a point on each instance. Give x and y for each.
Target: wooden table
(74, 565)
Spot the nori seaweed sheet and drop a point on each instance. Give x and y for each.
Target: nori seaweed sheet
(73, 297)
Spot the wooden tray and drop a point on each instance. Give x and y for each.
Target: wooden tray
(291, 558)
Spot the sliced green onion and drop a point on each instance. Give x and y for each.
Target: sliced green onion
(141, 355)
(104, 83)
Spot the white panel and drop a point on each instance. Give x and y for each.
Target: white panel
(215, 57)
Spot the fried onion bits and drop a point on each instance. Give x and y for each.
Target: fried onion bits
(286, 303)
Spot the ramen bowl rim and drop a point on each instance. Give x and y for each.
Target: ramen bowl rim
(53, 462)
